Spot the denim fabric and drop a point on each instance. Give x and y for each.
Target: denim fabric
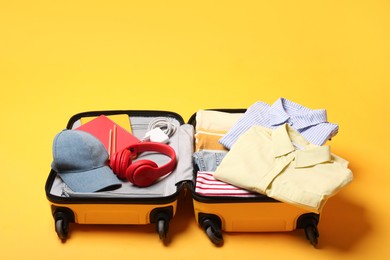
(80, 159)
(208, 160)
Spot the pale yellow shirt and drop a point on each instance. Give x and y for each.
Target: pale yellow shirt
(212, 126)
(215, 120)
(283, 165)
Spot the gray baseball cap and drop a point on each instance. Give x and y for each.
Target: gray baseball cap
(80, 159)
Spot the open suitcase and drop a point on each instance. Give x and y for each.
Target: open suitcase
(157, 204)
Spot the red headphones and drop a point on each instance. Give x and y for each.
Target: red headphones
(142, 172)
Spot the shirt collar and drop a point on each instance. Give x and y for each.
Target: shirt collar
(284, 110)
(283, 139)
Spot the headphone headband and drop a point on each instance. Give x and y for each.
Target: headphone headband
(165, 149)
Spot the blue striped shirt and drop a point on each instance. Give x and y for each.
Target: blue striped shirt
(312, 124)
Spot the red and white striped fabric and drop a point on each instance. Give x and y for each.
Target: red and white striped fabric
(207, 185)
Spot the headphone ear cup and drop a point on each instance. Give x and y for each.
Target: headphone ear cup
(113, 159)
(124, 162)
(120, 162)
(114, 162)
(141, 172)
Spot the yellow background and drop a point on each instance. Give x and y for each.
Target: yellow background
(58, 58)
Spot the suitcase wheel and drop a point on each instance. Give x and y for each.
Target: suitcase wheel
(162, 217)
(162, 229)
(212, 226)
(214, 235)
(62, 217)
(61, 226)
(312, 234)
(308, 222)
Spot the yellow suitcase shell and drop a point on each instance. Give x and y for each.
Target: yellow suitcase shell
(214, 214)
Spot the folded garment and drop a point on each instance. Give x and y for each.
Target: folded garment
(207, 185)
(212, 126)
(208, 140)
(312, 124)
(283, 165)
(208, 160)
(215, 120)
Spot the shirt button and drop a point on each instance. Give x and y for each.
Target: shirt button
(291, 123)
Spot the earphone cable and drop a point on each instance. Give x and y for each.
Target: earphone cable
(165, 124)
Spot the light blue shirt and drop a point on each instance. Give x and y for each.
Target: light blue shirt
(311, 124)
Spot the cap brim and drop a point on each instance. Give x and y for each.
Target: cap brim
(98, 179)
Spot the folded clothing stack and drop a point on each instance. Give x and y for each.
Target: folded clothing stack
(278, 151)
